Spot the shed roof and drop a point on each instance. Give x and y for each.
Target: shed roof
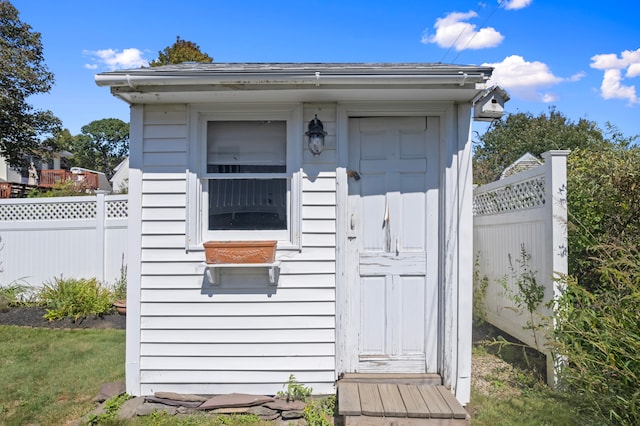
(135, 85)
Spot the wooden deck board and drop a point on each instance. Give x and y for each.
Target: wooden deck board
(370, 403)
(413, 401)
(349, 399)
(435, 402)
(458, 411)
(402, 421)
(391, 400)
(366, 402)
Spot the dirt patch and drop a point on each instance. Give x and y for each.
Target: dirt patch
(34, 317)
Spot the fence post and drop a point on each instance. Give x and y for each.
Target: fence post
(556, 232)
(100, 235)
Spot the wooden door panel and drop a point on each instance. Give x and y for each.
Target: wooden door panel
(388, 241)
(373, 293)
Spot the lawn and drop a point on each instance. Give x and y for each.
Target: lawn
(50, 376)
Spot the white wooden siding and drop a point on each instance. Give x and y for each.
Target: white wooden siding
(243, 335)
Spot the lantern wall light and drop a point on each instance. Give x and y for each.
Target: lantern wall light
(316, 136)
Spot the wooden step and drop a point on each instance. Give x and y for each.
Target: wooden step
(400, 421)
(393, 378)
(371, 403)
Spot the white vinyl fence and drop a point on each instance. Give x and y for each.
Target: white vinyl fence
(72, 237)
(520, 235)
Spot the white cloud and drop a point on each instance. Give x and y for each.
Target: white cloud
(515, 4)
(114, 59)
(525, 79)
(453, 31)
(612, 86)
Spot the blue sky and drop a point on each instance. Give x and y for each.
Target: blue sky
(581, 57)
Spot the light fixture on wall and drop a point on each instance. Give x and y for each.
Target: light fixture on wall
(316, 136)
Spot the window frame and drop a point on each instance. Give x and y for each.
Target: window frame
(198, 177)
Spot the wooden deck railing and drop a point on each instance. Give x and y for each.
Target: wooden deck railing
(48, 178)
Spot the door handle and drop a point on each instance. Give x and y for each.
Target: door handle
(353, 222)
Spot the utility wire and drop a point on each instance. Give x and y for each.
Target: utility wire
(473, 35)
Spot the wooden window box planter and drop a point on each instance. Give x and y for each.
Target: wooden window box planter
(240, 254)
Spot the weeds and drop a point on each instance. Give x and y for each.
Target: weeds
(295, 391)
(529, 294)
(598, 332)
(320, 412)
(480, 285)
(111, 409)
(119, 288)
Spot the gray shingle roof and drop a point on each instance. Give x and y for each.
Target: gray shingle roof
(306, 68)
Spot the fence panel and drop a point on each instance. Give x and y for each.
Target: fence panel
(520, 237)
(80, 237)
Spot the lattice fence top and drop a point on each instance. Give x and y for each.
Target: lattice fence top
(72, 210)
(518, 196)
(117, 209)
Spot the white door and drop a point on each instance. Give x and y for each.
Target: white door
(392, 242)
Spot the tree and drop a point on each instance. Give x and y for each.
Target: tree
(511, 138)
(603, 205)
(101, 146)
(181, 51)
(23, 129)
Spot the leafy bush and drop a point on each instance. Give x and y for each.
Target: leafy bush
(77, 298)
(598, 333)
(603, 206)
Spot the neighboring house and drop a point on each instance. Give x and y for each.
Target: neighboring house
(374, 229)
(526, 162)
(120, 178)
(82, 174)
(31, 177)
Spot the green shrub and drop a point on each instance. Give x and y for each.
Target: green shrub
(603, 206)
(598, 333)
(15, 294)
(76, 298)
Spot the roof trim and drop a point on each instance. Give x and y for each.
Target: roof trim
(295, 74)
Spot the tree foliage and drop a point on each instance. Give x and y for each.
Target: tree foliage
(511, 138)
(181, 51)
(101, 146)
(22, 74)
(603, 205)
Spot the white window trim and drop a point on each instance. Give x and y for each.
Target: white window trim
(197, 172)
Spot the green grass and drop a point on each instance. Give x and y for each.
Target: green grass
(50, 376)
(507, 391)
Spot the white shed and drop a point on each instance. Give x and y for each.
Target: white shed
(374, 259)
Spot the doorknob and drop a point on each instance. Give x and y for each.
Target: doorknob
(353, 174)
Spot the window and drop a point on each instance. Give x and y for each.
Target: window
(246, 166)
(244, 183)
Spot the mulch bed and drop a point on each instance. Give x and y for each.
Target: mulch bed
(33, 316)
